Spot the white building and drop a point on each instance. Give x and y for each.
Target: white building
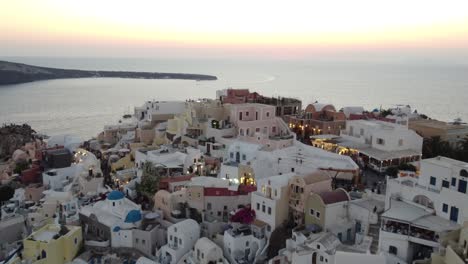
(243, 243)
(297, 158)
(155, 110)
(173, 161)
(52, 205)
(271, 201)
(428, 206)
(181, 238)
(112, 219)
(307, 246)
(84, 162)
(206, 251)
(300, 159)
(381, 143)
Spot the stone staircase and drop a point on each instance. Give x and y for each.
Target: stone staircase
(374, 231)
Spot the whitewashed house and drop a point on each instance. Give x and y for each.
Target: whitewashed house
(381, 144)
(244, 243)
(271, 201)
(181, 238)
(422, 210)
(206, 251)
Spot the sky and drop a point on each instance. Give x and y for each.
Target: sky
(426, 29)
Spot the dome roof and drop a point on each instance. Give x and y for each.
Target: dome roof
(133, 216)
(115, 195)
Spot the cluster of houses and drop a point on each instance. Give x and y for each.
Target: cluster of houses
(241, 178)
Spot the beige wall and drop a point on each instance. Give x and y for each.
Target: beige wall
(314, 201)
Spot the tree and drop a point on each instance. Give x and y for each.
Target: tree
(149, 184)
(385, 112)
(6, 193)
(393, 170)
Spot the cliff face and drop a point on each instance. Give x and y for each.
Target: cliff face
(13, 137)
(13, 73)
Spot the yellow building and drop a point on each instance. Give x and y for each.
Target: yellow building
(53, 244)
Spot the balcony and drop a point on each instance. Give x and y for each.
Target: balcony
(413, 234)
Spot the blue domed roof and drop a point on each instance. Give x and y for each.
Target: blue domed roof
(116, 229)
(133, 216)
(115, 195)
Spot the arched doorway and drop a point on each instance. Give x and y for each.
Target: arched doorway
(314, 258)
(423, 200)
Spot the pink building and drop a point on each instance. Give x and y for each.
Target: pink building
(257, 123)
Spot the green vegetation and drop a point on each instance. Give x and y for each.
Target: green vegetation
(393, 171)
(149, 181)
(434, 147)
(21, 166)
(6, 193)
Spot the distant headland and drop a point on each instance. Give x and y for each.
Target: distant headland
(15, 73)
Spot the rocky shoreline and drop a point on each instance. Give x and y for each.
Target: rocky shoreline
(15, 73)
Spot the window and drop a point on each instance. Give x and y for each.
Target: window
(454, 181)
(76, 240)
(143, 241)
(312, 212)
(318, 246)
(361, 132)
(269, 210)
(462, 186)
(380, 141)
(231, 155)
(464, 173)
(246, 113)
(392, 250)
(273, 129)
(445, 208)
(180, 240)
(263, 208)
(244, 157)
(246, 243)
(317, 214)
(170, 238)
(268, 114)
(256, 115)
(445, 184)
(292, 169)
(208, 206)
(268, 228)
(400, 142)
(137, 240)
(321, 258)
(219, 213)
(258, 206)
(276, 192)
(432, 181)
(241, 132)
(257, 129)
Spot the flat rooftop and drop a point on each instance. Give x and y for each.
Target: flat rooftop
(436, 124)
(446, 162)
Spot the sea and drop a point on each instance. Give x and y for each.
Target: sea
(83, 106)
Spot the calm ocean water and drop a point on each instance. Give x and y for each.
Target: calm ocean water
(84, 106)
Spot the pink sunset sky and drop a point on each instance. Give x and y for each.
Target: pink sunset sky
(213, 29)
